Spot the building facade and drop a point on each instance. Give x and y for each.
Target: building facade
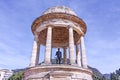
(5, 74)
(59, 27)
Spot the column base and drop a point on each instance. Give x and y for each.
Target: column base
(46, 64)
(74, 64)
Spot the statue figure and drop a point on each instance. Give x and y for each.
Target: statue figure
(59, 56)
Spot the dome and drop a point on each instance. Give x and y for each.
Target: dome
(59, 9)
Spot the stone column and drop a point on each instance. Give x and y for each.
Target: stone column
(78, 54)
(65, 56)
(35, 52)
(38, 54)
(48, 45)
(83, 55)
(71, 45)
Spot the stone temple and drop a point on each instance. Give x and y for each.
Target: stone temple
(59, 27)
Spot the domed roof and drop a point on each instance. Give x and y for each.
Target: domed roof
(59, 9)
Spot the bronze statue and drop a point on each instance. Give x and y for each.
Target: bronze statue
(59, 56)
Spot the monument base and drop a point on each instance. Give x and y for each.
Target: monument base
(57, 72)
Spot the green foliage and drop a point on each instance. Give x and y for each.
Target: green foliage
(103, 78)
(17, 76)
(96, 78)
(115, 75)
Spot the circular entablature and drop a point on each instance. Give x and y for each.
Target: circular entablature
(40, 20)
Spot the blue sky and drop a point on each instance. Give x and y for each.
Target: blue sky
(102, 38)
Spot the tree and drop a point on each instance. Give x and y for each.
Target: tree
(17, 76)
(95, 77)
(103, 78)
(113, 76)
(118, 72)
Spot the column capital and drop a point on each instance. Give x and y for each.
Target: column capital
(79, 41)
(69, 26)
(36, 33)
(49, 26)
(81, 31)
(82, 40)
(36, 37)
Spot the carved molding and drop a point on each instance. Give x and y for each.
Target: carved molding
(39, 21)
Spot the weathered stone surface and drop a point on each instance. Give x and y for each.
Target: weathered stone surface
(62, 9)
(55, 72)
(59, 27)
(35, 54)
(48, 46)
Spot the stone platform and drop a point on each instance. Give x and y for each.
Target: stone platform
(57, 72)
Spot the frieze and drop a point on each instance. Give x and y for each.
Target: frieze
(65, 16)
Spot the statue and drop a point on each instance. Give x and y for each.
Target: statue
(59, 56)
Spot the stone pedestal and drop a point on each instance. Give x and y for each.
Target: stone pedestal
(57, 72)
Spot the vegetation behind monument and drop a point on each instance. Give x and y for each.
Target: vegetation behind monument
(17, 76)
